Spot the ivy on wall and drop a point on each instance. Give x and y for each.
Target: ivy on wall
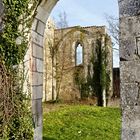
(98, 77)
(15, 114)
(17, 21)
(81, 82)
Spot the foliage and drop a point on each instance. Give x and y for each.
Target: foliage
(14, 106)
(100, 79)
(81, 81)
(82, 123)
(14, 39)
(15, 114)
(61, 64)
(53, 51)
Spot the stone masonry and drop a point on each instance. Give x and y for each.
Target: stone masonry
(34, 62)
(129, 11)
(61, 66)
(130, 68)
(49, 92)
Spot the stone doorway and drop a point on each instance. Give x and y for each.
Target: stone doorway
(129, 13)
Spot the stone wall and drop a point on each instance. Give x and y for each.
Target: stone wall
(34, 62)
(130, 68)
(65, 41)
(49, 91)
(129, 11)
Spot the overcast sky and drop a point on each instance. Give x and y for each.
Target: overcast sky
(88, 13)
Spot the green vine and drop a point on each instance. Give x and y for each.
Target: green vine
(17, 22)
(81, 82)
(15, 114)
(99, 79)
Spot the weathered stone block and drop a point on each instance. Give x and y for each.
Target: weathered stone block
(40, 28)
(37, 39)
(130, 71)
(129, 7)
(130, 134)
(39, 65)
(37, 118)
(129, 38)
(42, 14)
(37, 78)
(37, 92)
(37, 51)
(130, 117)
(38, 133)
(33, 65)
(129, 94)
(130, 123)
(34, 25)
(37, 106)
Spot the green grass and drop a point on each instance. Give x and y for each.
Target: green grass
(82, 123)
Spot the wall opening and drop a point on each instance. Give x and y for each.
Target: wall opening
(127, 9)
(79, 54)
(64, 22)
(79, 51)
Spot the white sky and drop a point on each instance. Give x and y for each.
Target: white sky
(88, 13)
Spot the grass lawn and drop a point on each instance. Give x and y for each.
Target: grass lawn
(78, 122)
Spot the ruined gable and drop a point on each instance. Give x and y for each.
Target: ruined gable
(64, 64)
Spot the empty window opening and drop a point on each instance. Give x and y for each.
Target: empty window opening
(79, 54)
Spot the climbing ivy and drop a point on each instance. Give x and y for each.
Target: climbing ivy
(97, 80)
(15, 114)
(100, 79)
(81, 82)
(17, 22)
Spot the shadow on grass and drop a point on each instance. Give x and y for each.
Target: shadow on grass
(48, 138)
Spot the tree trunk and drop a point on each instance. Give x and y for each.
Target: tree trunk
(100, 100)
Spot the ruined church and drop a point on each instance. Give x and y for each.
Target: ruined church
(68, 55)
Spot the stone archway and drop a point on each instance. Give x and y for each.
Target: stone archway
(129, 65)
(35, 63)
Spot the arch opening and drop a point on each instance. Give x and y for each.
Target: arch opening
(128, 12)
(79, 59)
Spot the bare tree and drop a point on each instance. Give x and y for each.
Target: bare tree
(113, 23)
(62, 20)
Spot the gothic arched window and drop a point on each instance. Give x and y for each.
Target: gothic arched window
(79, 54)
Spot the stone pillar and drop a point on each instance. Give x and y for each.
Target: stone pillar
(130, 68)
(37, 77)
(49, 91)
(36, 63)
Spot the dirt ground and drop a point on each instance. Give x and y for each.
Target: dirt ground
(48, 107)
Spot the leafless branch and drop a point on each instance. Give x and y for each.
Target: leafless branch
(113, 23)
